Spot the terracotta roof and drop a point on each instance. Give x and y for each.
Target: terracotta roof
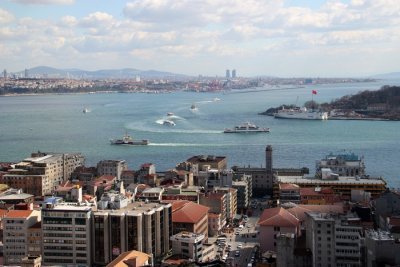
(19, 213)
(3, 213)
(188, 212)
(278, 217)
(288, 186)
(131, 258)
(300, 210)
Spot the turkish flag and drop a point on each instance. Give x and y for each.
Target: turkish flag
(314, 92)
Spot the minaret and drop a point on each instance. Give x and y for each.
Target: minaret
(268, 160)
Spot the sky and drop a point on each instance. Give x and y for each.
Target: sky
(285, 38)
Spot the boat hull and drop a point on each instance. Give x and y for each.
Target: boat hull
(130, 143)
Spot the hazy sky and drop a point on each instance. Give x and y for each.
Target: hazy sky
(255, 37)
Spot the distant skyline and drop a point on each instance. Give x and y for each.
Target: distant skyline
(256, 37)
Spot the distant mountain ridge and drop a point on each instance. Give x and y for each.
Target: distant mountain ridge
(45, 71)
(390, 75)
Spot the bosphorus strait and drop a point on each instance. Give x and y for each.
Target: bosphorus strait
(56, 123)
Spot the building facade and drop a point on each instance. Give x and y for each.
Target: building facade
(40, 174)
(140, 226)
(16, 225)
(66, 233)
(111, 167)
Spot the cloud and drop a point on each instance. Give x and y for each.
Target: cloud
(5, 16)
(44, 2)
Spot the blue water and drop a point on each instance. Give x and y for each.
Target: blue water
(56, 123)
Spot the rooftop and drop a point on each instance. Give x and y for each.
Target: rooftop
(19, 214)
(278, 217)
(341, 180)
(184, 211)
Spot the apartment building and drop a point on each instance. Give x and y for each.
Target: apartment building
(216, 201)
(66, 233)
(334, 240)
(380, 249)
(41, 173)
(140, 226)
(16, 225)
(188, 245)
(111, 167)
(189, 217)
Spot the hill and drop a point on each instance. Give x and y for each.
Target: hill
(45, 71)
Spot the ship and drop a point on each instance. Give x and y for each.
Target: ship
(128, 140)
(85, 110)
(169, 123)
(247, 128)
(301, 114)
(193, 107)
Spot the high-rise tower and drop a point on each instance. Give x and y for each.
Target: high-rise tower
(228, 74)
(233, 73)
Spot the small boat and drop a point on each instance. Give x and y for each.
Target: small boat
(85, 110)
(193, 107)
(169, 114)
(128, 140)
(247, 128)
(169, 123)
(217, 99)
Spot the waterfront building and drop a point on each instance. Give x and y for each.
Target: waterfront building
(381, 249)
(140, 226)
(262, 178)
(66, 233)
(347, 164)
(276, 221)
(111, 167)
(16, 225)
(40, 174)
(341, 185)
(131, 258)
(188, 216)
(187, 244)
(334, 240)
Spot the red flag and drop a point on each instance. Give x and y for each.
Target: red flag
(314, 92)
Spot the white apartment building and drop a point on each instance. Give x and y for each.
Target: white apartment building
(16, 226)
(333, 240)
(111, 167)
(66, 233)
(188, 244)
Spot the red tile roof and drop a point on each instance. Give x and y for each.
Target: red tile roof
(278, 217)
(300, 210)
(19, 213)
(310, 191)
(188, 212)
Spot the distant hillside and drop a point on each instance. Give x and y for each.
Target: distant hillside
(45, 71)
(392, 75)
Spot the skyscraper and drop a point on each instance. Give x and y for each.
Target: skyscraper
(233, 73)
(228, 74)
(26, 73)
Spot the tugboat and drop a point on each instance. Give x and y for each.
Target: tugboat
(128, 140)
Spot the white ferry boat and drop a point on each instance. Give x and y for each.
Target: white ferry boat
(247, 128)
(301, 114)
(169, 123)
(128, 140)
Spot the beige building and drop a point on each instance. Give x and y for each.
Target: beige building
(111, 167)
(40, 174)
(16, 226)
(189, 245)
(140, 226)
